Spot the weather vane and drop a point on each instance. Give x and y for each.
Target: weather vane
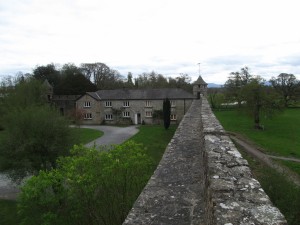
(199, 68)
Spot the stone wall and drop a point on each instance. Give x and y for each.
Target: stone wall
(202, 180)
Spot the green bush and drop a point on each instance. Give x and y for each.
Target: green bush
(88, 187)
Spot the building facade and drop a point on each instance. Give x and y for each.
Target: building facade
(132, 106)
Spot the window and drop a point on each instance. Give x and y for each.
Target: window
(87, 104)
(173, 117)
(126, 104)
(108, 117)
(173, 103)
(148, 113)
(108, 104)
(126, 114)
(148, 104)
(88, 116)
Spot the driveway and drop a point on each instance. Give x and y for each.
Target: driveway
(112, 135)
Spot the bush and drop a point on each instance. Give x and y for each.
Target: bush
(89, 187)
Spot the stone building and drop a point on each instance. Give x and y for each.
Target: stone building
(200, 87)
(132, 106)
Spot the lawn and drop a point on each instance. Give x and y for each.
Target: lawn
(155, 138)
(280, 136)
(86, 135)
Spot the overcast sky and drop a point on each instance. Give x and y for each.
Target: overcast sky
(167, 36)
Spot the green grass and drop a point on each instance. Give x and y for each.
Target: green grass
(281, 134)
(294, 166)
(86, 135)
(155, 138)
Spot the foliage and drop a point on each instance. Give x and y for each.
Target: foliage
(258, 98)
(34, 137)
(25, 93)
(287, 86)
(8, 212)
(280, 136)
(167, 113)
(89, 187)
(48, 72)
(216, 97)
(235, 83)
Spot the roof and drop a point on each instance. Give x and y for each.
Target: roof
(141, 94)
(65, 97)
(200, 81)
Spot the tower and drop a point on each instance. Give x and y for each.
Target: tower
(200, 87)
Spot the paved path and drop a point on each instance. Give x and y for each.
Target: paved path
(112, 135)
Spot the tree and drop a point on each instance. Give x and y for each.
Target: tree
(235, 83)
(286, 85)
(88, 187)
(167, 113)
(102, 76)
(35, 134)
(34, 138)
(48, 72)
(73, 82)
(259, 98)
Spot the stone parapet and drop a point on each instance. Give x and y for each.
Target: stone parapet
(233, 196)
(202, 179)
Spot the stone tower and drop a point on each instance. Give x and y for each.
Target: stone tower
(48, 89)
(200, 87)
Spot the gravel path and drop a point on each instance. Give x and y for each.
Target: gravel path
(112, 135)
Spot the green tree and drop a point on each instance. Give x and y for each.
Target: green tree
(73, 81)
(88, 187)
(34, 138)
(286, 85)
(35, 133)
(48, 72)
(235, 83)
(259, 98)
(167, 113)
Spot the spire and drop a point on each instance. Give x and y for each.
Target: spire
(200, 81)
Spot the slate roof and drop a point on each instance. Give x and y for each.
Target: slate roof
(200, 81)
(141, 94)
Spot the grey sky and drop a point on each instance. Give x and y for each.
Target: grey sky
(167, 36)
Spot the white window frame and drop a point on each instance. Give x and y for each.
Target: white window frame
(88, 116)
(126, 104)
(108, 117)
(87, 104)
(148, 104)
(148, 114)
(173, 117)
(108, 104)
(126, 114)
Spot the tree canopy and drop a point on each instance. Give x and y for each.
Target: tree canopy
(88, 187)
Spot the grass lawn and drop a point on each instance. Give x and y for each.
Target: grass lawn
(86, 135)
(155, 138)
(280, 137)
